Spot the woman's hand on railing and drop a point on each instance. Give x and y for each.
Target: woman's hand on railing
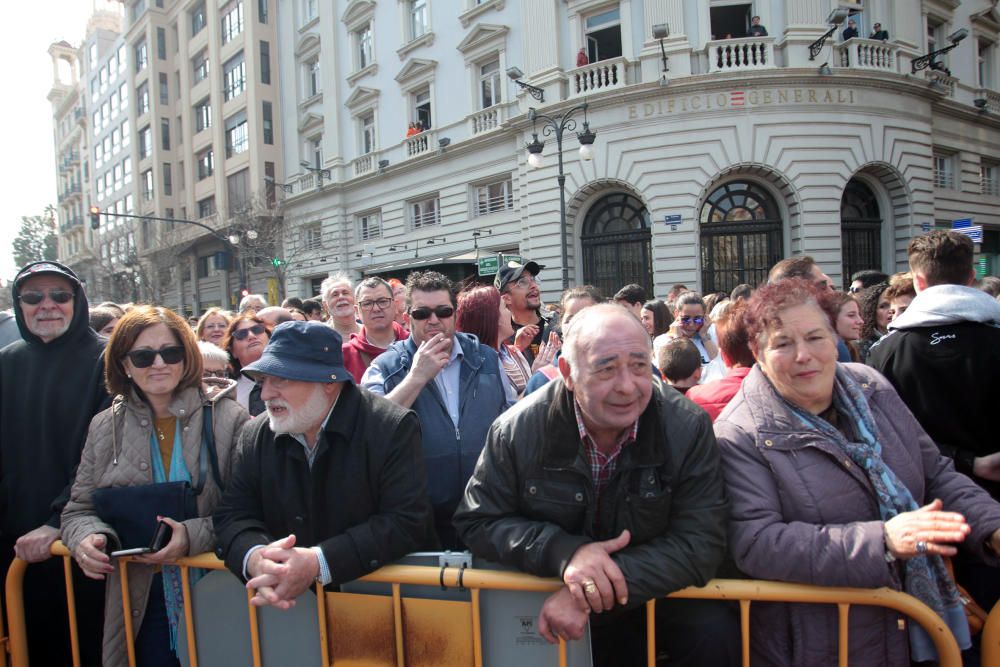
(90, 556)
(176, 548)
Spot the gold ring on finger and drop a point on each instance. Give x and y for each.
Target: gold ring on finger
(589, 587)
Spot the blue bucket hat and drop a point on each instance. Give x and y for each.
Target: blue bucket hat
(302, 351)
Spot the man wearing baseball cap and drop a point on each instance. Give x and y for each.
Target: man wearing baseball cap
(52, 384)
(519, 290)
(330, 486)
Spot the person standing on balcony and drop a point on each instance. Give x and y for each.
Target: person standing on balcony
(581, 57)
(878, 33)
(851, 31)
(756, 29)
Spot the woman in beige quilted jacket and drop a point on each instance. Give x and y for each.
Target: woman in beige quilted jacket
(152, 433)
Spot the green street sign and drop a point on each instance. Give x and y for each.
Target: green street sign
(489, 265)
(511, 258)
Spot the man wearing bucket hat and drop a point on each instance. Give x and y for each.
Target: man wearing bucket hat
(519, 290)
(328, 487)
(52, 385)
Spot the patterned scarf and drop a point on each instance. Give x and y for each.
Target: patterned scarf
(924, 577)
(173, 591)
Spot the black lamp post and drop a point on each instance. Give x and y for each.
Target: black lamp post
(555, 126)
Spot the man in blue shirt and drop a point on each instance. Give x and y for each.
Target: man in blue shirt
(453, 382)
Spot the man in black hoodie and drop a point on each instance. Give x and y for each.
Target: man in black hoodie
(51, 385)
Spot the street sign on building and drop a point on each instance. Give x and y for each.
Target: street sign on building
(489, 265)
(961, 223)
(975, 232)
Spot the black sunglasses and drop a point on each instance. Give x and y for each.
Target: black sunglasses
(423, 313)
(242, 334)
(57, 295)
(171, 354)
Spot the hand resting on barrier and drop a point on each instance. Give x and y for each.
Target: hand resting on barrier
(593, 579)
(280, 573)
(562, 617)
(90, 556)
(176, 548)
(34, 545)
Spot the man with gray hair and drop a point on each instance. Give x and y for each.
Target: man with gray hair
(611, 482)
(338, 297)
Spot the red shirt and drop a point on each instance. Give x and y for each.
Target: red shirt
(602, 466)
(715, 396)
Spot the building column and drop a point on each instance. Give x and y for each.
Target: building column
(542, 47)
(676, 45)
(805, 22)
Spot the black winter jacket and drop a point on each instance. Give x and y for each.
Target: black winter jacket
(364, 501)
(530, 502)
(945, 366)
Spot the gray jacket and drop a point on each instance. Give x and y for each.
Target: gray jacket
(803, 512)
(134, 467)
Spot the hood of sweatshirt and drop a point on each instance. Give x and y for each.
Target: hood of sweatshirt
(949, 304)
(79, 324)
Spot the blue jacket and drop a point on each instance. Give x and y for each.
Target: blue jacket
(450, 453)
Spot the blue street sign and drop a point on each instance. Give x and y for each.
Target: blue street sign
(672, 219)
(925, 227)
(974, 232)
(961, 223)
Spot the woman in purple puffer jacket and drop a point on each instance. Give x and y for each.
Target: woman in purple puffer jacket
(833, 482)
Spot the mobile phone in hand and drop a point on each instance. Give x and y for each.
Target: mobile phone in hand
(160, 539)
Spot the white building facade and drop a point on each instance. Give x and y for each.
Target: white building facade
(745, 151)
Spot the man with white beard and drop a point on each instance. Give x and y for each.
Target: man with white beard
(330, 486)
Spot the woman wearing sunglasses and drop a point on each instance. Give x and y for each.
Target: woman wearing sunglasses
(690, 322)
(153, 433)
(245, 342)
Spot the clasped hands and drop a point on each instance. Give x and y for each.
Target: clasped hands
(280, 572)
(593, 583)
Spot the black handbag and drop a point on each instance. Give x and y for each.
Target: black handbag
(132, 510)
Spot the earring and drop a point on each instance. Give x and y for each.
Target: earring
(128, 375)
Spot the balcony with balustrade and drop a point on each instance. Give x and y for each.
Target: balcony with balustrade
(486, 120)
(598, 77)
(364, 164)
(868, 54)
(740, 55)
(418, 144)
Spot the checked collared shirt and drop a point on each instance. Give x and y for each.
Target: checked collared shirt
(602, 466)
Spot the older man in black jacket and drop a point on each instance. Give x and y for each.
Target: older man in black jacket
(330, 486)
(612, 483)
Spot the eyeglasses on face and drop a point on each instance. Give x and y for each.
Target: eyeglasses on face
(58, 295)
(422, 313)
(854, 290)
(144, 358)
(687, 319)
(242, 334)
(215, 374)
(524, 282)
(382, 304)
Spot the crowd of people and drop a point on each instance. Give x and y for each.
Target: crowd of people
(629, 446)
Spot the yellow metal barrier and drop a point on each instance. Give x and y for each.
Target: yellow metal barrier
(743, 591)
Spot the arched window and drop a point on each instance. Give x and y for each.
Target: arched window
(860, 229)
(616, 247)
(740, 236)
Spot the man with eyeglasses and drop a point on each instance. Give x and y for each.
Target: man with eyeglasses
(52, 385)
(379, 329)
(519, 290)
(455, 385)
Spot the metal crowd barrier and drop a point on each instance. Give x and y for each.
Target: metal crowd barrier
(743, 591)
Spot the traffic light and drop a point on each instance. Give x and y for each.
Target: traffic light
(277, 262)
(95, 218)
